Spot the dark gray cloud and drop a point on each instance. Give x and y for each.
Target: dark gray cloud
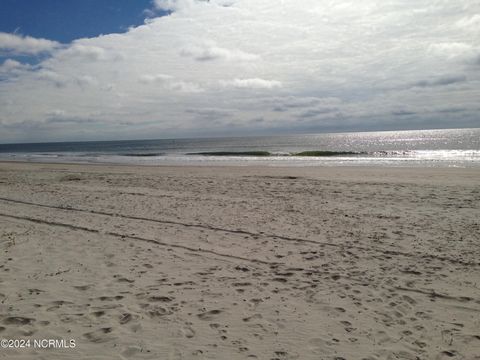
(403, 113)
(316, 112)
(442, 81)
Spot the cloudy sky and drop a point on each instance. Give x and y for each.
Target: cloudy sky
(185, 68)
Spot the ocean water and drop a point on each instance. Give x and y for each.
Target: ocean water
(424, 148)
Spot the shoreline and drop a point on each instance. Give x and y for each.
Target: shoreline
(469, 173)
(191, 262)
(290, 162)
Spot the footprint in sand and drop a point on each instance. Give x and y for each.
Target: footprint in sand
(82, 287)
(209, 315)
(157, 298)
(110, 298)
(242, 268)
(381, 337)
(131, 351)
(284, 274)
(18, 320)
(447, 354)
(188, 332)
(125, 318)
(253, 317)
(156, 311)
(281, 355)
(61, 302)
(408, 299)
(31, 292)
(98, 336)
(121, 278)
(320, 346)
(98, 313)
(255, 302)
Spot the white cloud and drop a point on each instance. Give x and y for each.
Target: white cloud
(212, 53)
(452, 50)
(254, 83)
(459, 52)
(170, 83)
(10, 64)
(52, 77)
(158, 78)
(185, 87)
(182, 5)
(469, 23)
(88, 53)
(12, 67)
(173, 5)
(56, 113)
(211, 65)
(86, 81)
(18, 44)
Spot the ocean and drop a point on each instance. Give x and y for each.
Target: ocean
(424, 148)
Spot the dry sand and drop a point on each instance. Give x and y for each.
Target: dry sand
(240, 263)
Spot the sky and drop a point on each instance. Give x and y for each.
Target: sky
(122, 69)
(68, 20)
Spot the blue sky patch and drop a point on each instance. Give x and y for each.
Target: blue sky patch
(67, 20)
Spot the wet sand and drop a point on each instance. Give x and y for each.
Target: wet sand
(240, 262)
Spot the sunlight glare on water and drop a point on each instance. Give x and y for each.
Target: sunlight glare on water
(455, 147)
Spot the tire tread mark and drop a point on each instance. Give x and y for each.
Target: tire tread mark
(158, 242)
(244, 232)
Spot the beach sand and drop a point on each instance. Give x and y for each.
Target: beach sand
(240, 262)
